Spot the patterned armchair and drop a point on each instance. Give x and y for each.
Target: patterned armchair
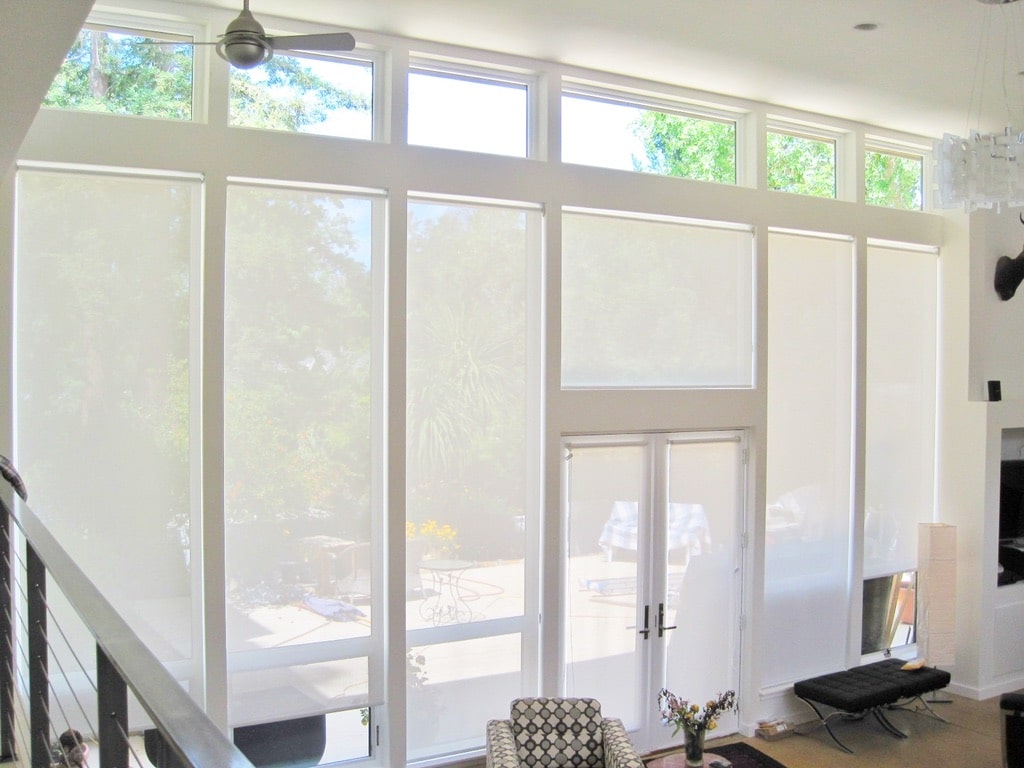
(551, 733)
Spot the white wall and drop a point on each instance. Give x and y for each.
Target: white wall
(997, 326)
(961, 446)
(32, 48)
(990, 657)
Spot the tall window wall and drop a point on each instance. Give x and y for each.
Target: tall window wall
(474, 274)
(105, 335)
(345, 363)
(900, 429)
(302, 465)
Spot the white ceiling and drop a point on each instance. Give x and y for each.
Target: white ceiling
(915, 73)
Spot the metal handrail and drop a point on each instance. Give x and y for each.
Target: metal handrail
(184, 726)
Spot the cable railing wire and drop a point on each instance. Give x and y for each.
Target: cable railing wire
(54, 623)
(69, 722)
(16, 671)
(41, 708)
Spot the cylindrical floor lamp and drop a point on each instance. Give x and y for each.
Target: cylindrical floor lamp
(936, 593)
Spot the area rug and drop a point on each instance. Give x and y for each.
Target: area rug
(742, 755)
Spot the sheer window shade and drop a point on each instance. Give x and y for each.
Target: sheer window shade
(807, 528)
(899, 475)
(299, 454)
(104, 321)
(685, 289)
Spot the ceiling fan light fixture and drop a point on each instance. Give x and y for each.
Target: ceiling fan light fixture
(244, 51)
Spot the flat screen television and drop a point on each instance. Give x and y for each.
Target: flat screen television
(1011, 500)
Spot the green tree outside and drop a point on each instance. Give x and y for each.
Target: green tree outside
(892, 180)
(467, 363)
(801, 165)
(124, 74)
(695, 148)
(287, 94)
(688, 147)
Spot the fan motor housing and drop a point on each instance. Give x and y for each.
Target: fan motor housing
(245, 50)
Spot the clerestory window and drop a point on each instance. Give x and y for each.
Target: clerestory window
(455, 107)
(610, 130)
(801, 163)
(325, 96)
(893, 179)
(127, 71)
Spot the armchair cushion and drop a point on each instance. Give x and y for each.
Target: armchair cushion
(556, 733)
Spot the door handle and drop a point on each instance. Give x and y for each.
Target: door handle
(646, 631)
(662, 629)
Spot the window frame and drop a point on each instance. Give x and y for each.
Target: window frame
(482, 74)
(523, 626)
(647, 217)
(372, 58)
(188, 30)
(373, 646)
(669, 105)
(906, 150)
(839, 140)
(434, 171)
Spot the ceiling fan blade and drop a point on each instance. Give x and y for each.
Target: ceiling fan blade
(172, 42)
(329, 41)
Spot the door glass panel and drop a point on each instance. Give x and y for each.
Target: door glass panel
(701, 589)
(605, 490)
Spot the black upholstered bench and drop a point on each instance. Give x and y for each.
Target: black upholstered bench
(853, 693)
(1012, 705)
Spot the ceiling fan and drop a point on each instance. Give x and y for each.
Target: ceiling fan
(245, 44)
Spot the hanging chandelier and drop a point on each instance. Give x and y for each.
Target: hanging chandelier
(983, 170)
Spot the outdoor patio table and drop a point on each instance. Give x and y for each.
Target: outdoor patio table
(445, 603)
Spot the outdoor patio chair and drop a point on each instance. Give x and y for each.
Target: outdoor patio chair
(548, 732)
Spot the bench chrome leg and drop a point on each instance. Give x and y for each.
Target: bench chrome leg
(886, 723)
(919, 705)
(825, 722)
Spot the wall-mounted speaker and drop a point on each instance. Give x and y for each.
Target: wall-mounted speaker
(995, 391)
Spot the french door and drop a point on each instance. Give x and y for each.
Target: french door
(653, 572)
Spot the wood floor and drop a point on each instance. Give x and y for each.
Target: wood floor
(972, 739)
